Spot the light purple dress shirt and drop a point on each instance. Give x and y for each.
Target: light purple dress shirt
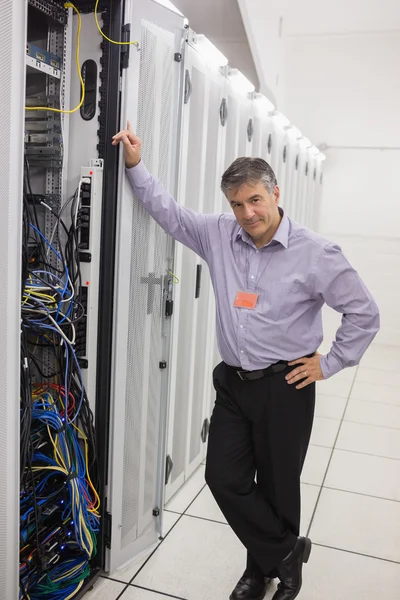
(294, 275)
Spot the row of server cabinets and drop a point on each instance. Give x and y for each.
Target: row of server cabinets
(109, 335)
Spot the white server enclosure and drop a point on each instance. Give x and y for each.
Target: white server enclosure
(203, 117)
(150, 101)
(108, 326)
(72, 108)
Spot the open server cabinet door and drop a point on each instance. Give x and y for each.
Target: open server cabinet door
(150, 100)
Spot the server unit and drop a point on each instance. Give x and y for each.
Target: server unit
(108, 326)
(95, 289)
(222, 119)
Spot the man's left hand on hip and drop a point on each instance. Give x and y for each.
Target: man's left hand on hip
(308, 372)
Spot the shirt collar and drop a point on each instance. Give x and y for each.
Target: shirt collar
(281, 235)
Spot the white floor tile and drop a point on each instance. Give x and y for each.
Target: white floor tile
(330, 406)
(383, 351)
(188, 492)
(134, 593)
(357, 523)
(377, 377)
(315, 465)
(129, 570)
(335, 575)
(199, 560)
(324, 431)
(206, 507)
(364, 474)
(348, 374)
(309, 495)
(382, 393)
(373, 413)
(385, 360)
(169, 521)
(126, 572)
(335, 386)
(369, 439)
(105, 589)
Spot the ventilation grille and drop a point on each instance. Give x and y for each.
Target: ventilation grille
(148, 260)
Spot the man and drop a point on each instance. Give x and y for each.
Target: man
(271, 277)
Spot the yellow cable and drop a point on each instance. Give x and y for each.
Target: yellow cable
(78, 66)
(47, 297)
(175, 280)
(104, 35)
(97, 498)
(80, 584)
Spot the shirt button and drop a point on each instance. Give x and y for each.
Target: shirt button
(252, 277)
(242, 352)
(241, 327)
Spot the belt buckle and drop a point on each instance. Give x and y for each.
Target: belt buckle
(240, 375)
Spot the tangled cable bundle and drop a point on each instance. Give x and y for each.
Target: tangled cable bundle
(59, 511)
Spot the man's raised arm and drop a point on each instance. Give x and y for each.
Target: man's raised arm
(186, 226)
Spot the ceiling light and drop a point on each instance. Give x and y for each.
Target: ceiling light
(240, 81)
(210, 52)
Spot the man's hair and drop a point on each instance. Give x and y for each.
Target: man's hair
(248, 171)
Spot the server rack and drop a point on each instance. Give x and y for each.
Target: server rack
(129, 285)
(56, 157)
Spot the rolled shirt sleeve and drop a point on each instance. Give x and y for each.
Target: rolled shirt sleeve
(343, 290)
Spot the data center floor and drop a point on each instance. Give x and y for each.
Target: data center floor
(351, 506)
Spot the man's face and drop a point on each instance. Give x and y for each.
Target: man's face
(256, 210)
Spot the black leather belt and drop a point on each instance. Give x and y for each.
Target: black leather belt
(252, 375)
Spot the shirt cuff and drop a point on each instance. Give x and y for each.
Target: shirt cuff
(330, 365)
(138, 175)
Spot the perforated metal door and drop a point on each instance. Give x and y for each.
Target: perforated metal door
(300, 183)
(206, 308)
(150, 102)
(190, 194)
(266, 140)
(256, 142)
(194, 327)
(12, 95)
(292, 153)
(244, 146)
(232, 127)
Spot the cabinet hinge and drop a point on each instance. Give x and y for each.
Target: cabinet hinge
(125, 49)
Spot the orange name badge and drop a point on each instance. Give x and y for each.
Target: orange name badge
(246, 300)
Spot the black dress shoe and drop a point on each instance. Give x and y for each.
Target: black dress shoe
(250, 588)
(290, 570)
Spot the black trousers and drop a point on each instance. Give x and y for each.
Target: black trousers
(258, 440)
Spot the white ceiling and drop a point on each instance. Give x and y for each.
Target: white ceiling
(317, 17)
(221, 22)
